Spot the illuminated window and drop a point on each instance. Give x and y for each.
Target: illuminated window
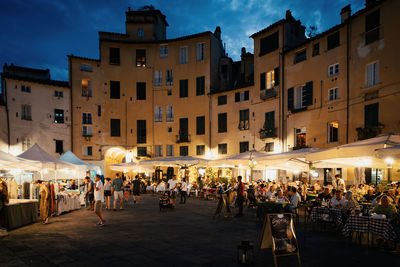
(333, 132)
(86, 88)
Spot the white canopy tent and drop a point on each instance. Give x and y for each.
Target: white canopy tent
(8, 162)
(83, 165)
(244, 159)
(393, 152)
(47, 162)
(131, 166)
(358, 154)
(185, 161)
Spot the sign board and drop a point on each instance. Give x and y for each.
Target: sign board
(278, 234)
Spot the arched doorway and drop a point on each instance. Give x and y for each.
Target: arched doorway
(113, 155)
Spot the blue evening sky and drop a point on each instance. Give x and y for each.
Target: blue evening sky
(41, 33)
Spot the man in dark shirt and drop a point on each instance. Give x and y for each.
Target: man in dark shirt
(369, 197)
(240, 196)
(136, 189)
(324, 196)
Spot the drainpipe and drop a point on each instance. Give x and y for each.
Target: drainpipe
(7, 114)
(70, 104)
(347, 77)
(283, 130)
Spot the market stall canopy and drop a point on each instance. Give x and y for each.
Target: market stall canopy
(185, 161)
(357, 154)
(8, 161)
(46, 160)
(238, 159)
(73, 159)
(131, 166)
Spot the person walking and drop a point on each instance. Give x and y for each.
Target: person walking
(117, 188)
(99, 199)
(3, 200)
(240, 196)
(107, 193)
(44, 201)
(90, 194)
(172, 187)
(183, 191)
(136, 189)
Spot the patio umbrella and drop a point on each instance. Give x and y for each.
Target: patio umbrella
(244, 159)
(131, 166)
(184, 161)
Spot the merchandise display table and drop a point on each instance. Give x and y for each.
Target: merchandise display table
(19, 212)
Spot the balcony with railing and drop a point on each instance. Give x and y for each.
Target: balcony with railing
(182, 138)
(268, 133)
(268, 93)
(369, 131)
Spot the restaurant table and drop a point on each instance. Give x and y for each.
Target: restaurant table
(264, 207)
(367, 224)
(326, 214)
(19, 212)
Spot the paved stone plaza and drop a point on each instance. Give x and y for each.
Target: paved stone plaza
(141, 235)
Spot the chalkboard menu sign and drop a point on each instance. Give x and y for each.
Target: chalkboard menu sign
(279, 235)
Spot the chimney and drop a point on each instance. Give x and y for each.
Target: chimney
(217, 32)
(243, 51)
(345, 13)
(289, 16)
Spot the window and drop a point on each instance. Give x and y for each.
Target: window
(141, 131)
(372, 71)
(269, 79)
(183, 88)
(183, 55)
(142, 151)
(169, 110)
(372, 27)
(86, 118)
(333, 132)
(26, 143)
(222, 100)
(244, 119)
(115, 126)
(269, 122)
(99, 110)
(183, 130)
(333, 69)
(200, 125)
(333, 94)
(315, 50)
(300, 56)
(269, 147)
(86, 67)
(333, 40)
(222, 149)
(114, 56)
(169, 79)
(87, 151)
(222, 122)
(269, 43)
(170, 151)
(58, 116)
(371, 115)
(183, 151)
(26, 89)
(58, 94)
(114, 90)
(300, 97)
(169, 92)
(243, 146)
(87, 131)
(242, 96)
(86, 88)
(140, 33)
(200, 85)
(300, 138)
(163, 51)
(200, 150)
(140, 58)
(200, 51)
(157, 78)
(158, 151)
(140, 91)
(26, 113)
(59, 147)
(158, 114)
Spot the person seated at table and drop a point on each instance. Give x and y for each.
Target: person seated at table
(281, 197)
(385, 207)
(295, 199)
(351, 204)
(270, 192)
(369, 196)
(339, 201)
(324, 196)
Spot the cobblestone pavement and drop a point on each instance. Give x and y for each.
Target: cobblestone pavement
(141, 235)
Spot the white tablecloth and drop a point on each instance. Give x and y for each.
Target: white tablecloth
(67, 203)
